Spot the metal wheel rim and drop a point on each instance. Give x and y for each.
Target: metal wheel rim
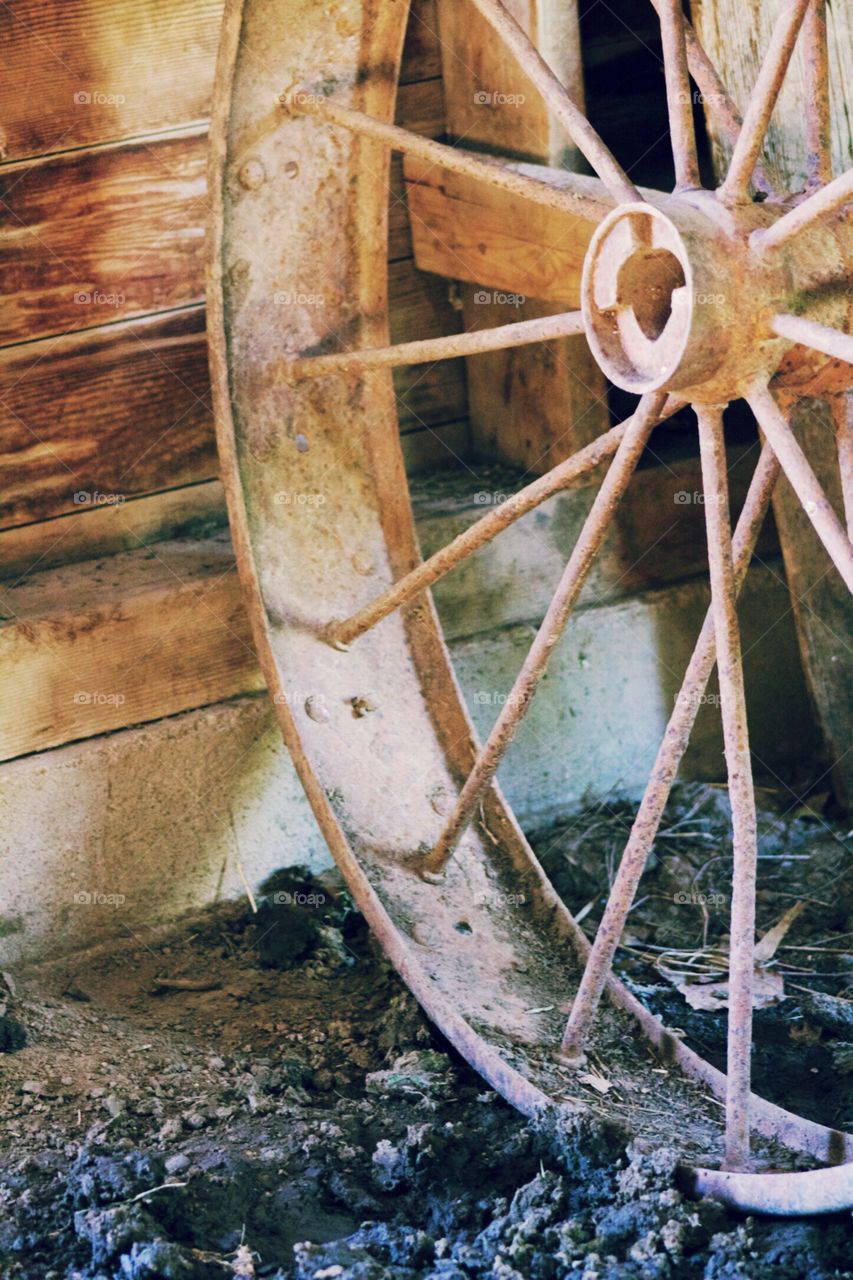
(278, 439)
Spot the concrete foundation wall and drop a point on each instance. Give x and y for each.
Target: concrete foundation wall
(122, 832)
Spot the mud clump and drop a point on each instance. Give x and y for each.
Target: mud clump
(289, 1113)
(12, 1033)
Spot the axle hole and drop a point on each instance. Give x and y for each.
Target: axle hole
(647, 281)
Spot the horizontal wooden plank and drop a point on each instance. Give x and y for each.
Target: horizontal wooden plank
(468, 231)
(94, 531)
(91, 647)
(105, 70)
(107, 233)
(87, 71)
(101, 235)
(129, 639)
(121, 410)
(426, 449)
(125, 409)
(420, 108)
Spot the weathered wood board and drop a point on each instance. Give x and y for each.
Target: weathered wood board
(103, 70)
(159, 628)
(108, 70)
(473, 232)
(115, 411)
(122, 406)
(130, 639)
(106, 529)
(735, 35)
(532, 406)
(102, 234)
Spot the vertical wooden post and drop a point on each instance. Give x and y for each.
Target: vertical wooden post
(534, 407)
(821, 604)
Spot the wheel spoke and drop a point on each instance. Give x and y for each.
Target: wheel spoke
(803, 481)
(424, 350)
(482, 168)
(820, 337)
(831, 197)
(678, 96)
(842, 417)
(712, 447)
(763, 100)
(720, 106)
(672, 749)
(484, 530)
(817, 95)
(566, 111)
(575, 573)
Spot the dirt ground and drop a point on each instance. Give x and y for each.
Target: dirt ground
(258, 1095)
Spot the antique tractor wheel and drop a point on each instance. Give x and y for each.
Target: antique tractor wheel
(338, 594)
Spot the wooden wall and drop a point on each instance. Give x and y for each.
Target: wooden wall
(119, 601)
(104, 394)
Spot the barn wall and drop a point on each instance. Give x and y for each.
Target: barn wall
(141, 758)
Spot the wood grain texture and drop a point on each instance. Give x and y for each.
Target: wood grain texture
(121, 410)
(95, 531)
(100, 235)
(471, 232)
(130, 639)
(420, 108)
(125, 409)
(533, 406)
(492, 100)
(106, 70)
(150, 632)
(421, 54)
(735, 35)
(101, 70)
(122, 407)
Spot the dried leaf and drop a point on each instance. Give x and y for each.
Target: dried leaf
(765, 948)
(596, 1081)
(768, 988)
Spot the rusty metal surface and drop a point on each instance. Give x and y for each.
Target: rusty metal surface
(297, 266)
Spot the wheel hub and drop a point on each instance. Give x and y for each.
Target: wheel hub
(675, 301)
